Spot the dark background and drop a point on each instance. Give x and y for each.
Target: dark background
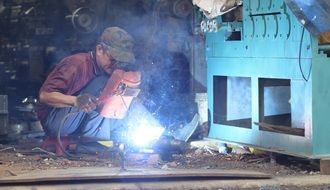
(36, 34)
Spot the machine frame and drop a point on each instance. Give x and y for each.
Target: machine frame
(268, 82)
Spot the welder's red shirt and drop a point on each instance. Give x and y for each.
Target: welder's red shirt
(68, 77)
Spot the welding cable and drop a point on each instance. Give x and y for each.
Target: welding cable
(59, 136)
(62, 123)
(299, 58)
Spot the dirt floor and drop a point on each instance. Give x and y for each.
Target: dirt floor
(25, 155)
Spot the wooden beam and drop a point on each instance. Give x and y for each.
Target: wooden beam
(325, 166)
(281, 129)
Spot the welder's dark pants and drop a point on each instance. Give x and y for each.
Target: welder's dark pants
(90, 125)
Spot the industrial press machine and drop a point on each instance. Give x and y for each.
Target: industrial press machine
(269, 78)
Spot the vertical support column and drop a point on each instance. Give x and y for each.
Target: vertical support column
(4, 115)
(255, 102)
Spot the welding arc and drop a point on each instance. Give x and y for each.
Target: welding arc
(59, 136)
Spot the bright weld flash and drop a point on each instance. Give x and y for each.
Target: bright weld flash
(144, 133)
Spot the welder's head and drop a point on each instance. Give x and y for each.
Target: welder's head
(115, 48)
(119, 44)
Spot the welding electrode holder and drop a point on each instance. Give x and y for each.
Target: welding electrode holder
(86, 100)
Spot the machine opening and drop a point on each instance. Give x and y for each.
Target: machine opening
(275, 113)
(232, 101)
(234, 36)
(234, 19)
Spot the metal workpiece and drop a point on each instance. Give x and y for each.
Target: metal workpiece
(267, 81)
(166, 147)
(122, 155)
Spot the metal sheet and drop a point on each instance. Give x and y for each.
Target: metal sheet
(313, 14)
(143, 174)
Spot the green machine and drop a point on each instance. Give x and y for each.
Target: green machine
(269, 77)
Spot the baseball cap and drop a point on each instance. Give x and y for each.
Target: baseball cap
(119, 44)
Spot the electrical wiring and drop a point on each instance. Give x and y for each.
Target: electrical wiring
(62, 123)
(299, 58)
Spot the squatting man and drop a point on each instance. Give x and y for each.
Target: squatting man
(75, 82)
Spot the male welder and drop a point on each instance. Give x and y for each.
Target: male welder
(70, 95)
(74, 84)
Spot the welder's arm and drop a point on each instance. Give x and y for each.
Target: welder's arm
(83, 102)
(57, 99)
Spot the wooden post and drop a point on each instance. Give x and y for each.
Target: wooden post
(325, 166)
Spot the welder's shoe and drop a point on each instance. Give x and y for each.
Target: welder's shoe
(184, 133)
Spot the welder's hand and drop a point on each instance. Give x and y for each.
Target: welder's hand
(86, 102)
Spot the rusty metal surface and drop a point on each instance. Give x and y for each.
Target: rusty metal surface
(317, 182)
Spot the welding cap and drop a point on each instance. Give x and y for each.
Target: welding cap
(119, 44)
